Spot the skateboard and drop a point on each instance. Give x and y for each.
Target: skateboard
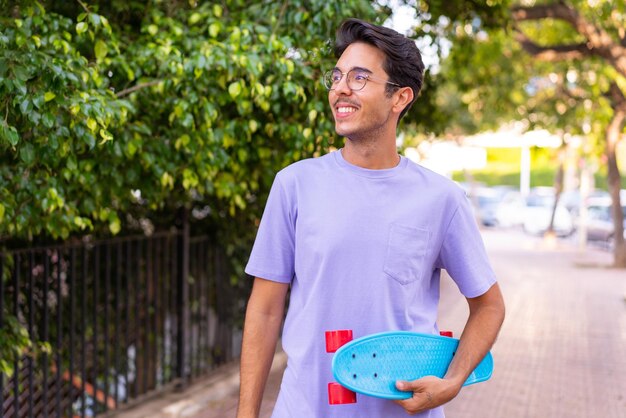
(371, 365)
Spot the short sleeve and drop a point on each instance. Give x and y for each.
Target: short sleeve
(463, 253)
(272, 255)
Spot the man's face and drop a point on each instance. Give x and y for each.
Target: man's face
(364, 113)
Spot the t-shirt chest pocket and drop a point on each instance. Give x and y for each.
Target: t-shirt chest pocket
(406, 253)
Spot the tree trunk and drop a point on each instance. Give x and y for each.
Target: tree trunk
(558, 186)
(613, 134)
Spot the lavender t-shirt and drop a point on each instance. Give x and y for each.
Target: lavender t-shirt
(363, 250)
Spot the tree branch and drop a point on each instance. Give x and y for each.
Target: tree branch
(554, 11)
(616, 97)
(283, 9)
(553, 53)
(599, 42)
(130, 90)
(572, 92)
(85, 8)
(621, 31)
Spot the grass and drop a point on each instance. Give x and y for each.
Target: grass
(503, 168)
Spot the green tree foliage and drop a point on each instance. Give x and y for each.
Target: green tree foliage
(541, 67)
(559, 65)
(442, 110)
(592, 42)
(554, 64)
(57, 117)
(117, 110)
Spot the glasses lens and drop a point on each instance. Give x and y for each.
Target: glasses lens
(356, 80)
(331, 78)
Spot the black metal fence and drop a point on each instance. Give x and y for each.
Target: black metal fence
(122, 318)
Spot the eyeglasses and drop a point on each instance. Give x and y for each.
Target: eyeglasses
(355, 78)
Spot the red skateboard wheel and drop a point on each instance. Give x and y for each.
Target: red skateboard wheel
(338, 395)
(335, 339)
(446, 333)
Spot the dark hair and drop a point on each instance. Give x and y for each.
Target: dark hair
(403, 63)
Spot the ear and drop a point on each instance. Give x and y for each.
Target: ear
(402, 98)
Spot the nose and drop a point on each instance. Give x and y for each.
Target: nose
(342, 86)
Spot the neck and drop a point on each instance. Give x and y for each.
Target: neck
(371, 155)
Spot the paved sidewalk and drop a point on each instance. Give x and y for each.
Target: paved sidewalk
(562, 349)
(561, 352)
(213, 397)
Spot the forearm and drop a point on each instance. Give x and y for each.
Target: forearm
(484, 322)
(261, 330)
(480, 333)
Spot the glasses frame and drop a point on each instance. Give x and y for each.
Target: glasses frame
(367, 72)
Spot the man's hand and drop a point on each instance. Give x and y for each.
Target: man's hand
(484, 322)
(428, 392)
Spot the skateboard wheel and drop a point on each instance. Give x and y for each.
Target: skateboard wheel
(338, 395)
(446, 333)
(335, 339)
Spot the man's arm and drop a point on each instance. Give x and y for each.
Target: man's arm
(264, 317)
(486, 314)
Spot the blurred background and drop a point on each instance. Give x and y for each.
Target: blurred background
(139, 140)
(530, 181)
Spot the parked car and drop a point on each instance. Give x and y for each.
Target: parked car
(600, 226)
(485, 201)
(572, 199)
(510, 211)
(538, 212)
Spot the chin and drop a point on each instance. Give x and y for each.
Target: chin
(342, 130)
(346, 133)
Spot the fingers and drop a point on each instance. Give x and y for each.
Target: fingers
(404, 386)
(421, 400)
(428, 392)
(416, 386)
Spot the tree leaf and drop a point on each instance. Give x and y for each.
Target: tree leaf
(234, 89)
(106, 136)
(217, 10)
(48, 120)
(81, 28)
(26, 106)
(115, 226)
(101, 50)
(10, 134)
(194, 18)
(92, 124)
(27, 154)
(214, 30)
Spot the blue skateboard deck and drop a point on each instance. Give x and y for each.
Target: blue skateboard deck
(371, 365)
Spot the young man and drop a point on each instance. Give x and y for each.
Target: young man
(361, 235)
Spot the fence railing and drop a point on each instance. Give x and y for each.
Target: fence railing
(120, 319)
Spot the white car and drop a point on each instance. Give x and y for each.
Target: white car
(538, 212)
(510, 211)
(600, 221)
(537, 220)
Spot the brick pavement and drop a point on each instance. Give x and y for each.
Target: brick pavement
(562, 349)
(561, 352)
